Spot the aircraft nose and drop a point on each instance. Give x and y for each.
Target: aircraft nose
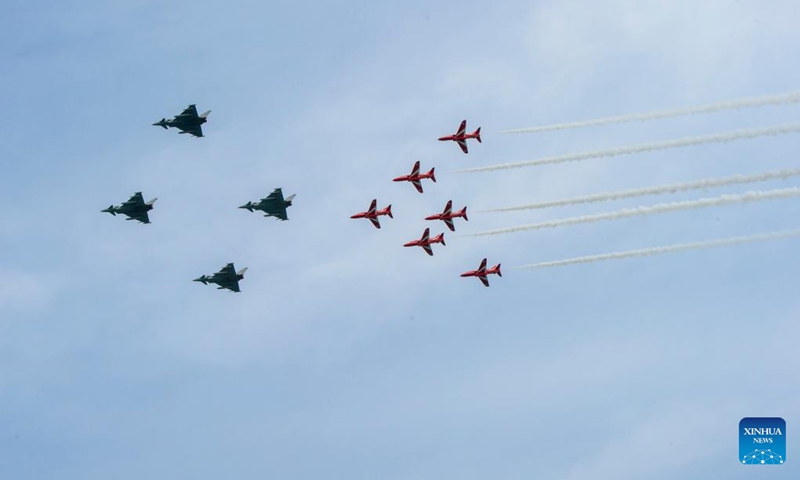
(442, 139)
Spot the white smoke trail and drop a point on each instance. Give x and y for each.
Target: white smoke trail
(782, 99)
(645, 252)
(641, 192)
(659, 208)
(646, 147)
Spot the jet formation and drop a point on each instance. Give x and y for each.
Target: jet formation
(274, 205)
(447, 215)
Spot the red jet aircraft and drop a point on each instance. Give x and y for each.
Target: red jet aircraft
(373, 214)
(425, 242)
(461, 136)
(482, 272)
(447, 215)
(415, 177)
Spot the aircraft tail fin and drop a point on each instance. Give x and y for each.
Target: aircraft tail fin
(433, 177)
(208, 112)
(241, 272)
(478, 135)
(497, 267)
(441, 237)
(151, 202)
(463, 212)
(291, 197)
(389, 211)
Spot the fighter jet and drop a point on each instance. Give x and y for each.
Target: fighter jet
(134, 209)
(447, 215)
(425, 241)
(482, 272)
(461, 136)
(187, 122)
(373, 213)
(228, 278)
(273, 205)
(414, 177)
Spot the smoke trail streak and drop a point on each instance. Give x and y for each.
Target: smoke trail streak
(783, 99)
(646, 252)
(646, 147)
(641, 192)
(659, 208)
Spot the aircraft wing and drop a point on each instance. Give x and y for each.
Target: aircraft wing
(461, 129)
(375, 222)
(482, 267)
(418, 185)
(140, 216)
(428, 249)
(226, 272)
(275, 196)
(279, 212)
(415, 170)
(196, 130)
(232, 286)
(425, 235)
(484, 280)
(136, 200)
(373, 206)
(449, 223)
(189, 112)
(463, 145)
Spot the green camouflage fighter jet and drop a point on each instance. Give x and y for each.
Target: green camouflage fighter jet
(134, 209)
(228, 278)
(187, 122)
(273, 206)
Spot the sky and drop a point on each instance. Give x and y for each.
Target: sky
(346, 356)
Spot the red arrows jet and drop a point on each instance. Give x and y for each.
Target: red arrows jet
(415, 177)
(447, 215)
(461, 136)
(425, 242)
(482, 272)
(373, 214)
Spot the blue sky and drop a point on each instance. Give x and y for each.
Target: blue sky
(346, 355)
